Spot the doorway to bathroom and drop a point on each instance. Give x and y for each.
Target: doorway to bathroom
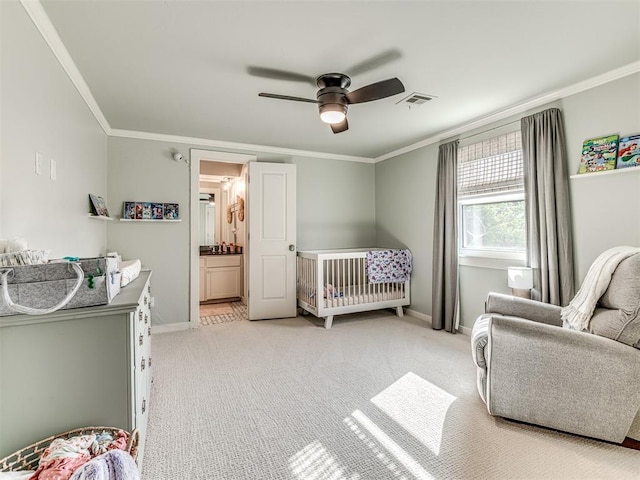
(218, 237)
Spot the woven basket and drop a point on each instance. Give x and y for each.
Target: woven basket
(29, 457)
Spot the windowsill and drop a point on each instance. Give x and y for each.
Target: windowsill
(490, 262)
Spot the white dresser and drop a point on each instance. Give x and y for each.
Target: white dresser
(75, 368)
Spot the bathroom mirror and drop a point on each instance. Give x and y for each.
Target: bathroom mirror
(208, 219)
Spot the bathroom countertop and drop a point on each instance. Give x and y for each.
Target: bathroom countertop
(206, 254)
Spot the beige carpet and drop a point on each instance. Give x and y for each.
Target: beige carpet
(375, 397)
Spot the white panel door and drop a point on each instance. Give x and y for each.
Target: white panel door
(272, 239)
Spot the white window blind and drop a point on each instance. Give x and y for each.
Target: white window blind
(493, 165)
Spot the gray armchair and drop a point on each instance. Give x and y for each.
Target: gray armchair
(532, 370)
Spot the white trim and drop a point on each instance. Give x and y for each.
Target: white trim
(224, 157)
(161, 137)
(418, 315)
(47, 30)
(427, 319)
(489, 262)
(464, 330)
(604, 172)
(170, 327)
(195, 155)
(521, 107)
(42, 22)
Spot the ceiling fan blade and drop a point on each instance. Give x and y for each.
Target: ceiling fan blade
(343, 126)
(286, 97)
(375, 62)
(376, 91)
(280, 75)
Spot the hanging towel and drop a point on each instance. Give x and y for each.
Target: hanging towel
(389, 265)
(577, 314)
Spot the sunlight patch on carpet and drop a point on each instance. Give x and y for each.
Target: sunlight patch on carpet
(375, 449)
(418, 406)
(407, 461)
(314, 462)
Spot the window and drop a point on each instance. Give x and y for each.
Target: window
(491, 198)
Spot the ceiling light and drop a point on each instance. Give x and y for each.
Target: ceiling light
(333, 113)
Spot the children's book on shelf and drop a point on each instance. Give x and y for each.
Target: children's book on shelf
(171, 211)
(629, 151)
(146, 210)
(157, 211)
(138, 211)
(98, 206)
(599, 154)
(129, 211)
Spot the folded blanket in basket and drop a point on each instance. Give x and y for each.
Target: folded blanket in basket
(64, 456)
(389, 265)
(113, 465)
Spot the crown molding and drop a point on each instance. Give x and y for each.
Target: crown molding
(244, 147)
(42, 22)
(538, 101)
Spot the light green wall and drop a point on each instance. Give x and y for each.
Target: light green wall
(42, 112)
(604, 208)
(404, 214)
(335, 209)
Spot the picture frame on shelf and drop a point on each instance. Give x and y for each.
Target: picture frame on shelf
(99, 208)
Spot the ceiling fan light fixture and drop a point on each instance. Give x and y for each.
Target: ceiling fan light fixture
(333, 113)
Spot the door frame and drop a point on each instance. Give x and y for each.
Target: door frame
(195, 155)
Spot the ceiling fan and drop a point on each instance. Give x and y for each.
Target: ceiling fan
(333, 98)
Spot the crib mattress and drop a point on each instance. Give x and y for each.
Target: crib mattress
(361, 299)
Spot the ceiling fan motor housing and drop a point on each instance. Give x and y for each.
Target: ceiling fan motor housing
(332, 93)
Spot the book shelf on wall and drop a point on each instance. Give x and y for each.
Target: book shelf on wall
(99, 217)
(152, 220)
(605, 172)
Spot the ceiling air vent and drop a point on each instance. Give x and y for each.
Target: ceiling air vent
(415, 99)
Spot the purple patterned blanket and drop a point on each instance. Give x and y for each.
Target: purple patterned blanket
(389, 265)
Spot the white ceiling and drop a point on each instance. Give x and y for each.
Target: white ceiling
(179, 67)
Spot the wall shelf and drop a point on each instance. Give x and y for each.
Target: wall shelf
(99, 217)
(605, 172)
(150, 220)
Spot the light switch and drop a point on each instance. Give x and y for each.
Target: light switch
(38, 163)
(53, 169)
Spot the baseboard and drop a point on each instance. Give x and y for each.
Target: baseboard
(464, 330)
(427, 319)
(418, 315)
(170, 327)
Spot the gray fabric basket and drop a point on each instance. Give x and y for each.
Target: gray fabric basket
(41, 286)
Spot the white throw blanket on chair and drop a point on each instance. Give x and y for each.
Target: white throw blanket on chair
(578, 313)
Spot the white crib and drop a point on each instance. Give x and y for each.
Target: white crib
(335, 282)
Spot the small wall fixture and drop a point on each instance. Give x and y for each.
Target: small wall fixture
(178, 157)
(212, 199)
(520, 279)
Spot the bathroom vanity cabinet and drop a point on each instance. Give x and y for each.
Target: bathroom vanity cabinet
(220, 276)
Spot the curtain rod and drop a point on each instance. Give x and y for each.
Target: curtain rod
(490, 129)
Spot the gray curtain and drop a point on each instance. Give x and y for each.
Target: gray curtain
(549, 239)
(444, 310)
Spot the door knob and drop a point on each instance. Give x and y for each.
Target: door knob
(292, 248)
